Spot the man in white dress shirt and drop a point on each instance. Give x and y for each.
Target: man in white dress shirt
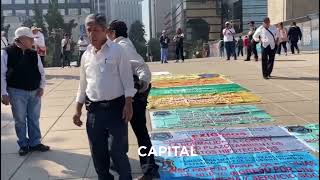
(22, 86)
(142, 77)
(106, 87)
(269, 40)
(229, 41)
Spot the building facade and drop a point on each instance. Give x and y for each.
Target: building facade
(282, 10)
(102, 6)
(158, 11)
(128, 11)
(17, 11)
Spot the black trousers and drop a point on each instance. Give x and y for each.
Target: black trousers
(104, 123)
(268, 56)
(43, 61)
(179, 53)
(284, 45)
(294, 45)
(138, 124)
(80, 56)
(240, 50)
(252, 48)
(230, 49)
(66, 58)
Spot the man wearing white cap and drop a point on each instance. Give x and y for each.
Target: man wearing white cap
(229, 41)
(164, 43)
(4, 41)
(39, 43)
(22, 86)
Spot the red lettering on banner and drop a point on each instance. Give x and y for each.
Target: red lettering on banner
(308, 175)
(274, 176)
(282, 169)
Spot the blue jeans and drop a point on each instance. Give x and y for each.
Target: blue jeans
(164, 55)
(25, 106)
(231, 49)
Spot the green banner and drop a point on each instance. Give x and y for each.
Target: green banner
(205, 89)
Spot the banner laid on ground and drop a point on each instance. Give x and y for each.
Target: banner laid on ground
(226, 141)
(189, 82)
(205, 89)
(200, 100)
(254, 166)
(207, 116)
(308, 134)
(184, 76)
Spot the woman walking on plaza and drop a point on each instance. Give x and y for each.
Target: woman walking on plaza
(178, 38)
(283, 38)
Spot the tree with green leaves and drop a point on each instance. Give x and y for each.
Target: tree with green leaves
(53, 17)
(154, 48)
(136, 35)
(27, 23)
(39, 19)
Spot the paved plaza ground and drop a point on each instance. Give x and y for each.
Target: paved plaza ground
(291, 97)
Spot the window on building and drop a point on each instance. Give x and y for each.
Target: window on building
(31, 12)
(20, 1)
(7, 12)
(45, 1)
(85, 1)
(73, 12)
(45, 11)
(6, 2)
(85, 11)
(21, 12)
(73, 1)
(61, 1)
(62, 12)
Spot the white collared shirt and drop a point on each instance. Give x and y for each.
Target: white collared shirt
(139, 67)
(228, 34)
(4, 42)
(265, 36)
(105, 74)
(4, 69)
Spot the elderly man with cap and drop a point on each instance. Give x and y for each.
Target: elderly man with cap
(229, 41)
(142, 77)
(39, 43)
(106, 88)
(22, 86)
(4, 41)
(164, 44)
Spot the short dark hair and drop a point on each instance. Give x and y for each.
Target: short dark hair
(251, 22)
(294, 23)
(266, 19)
(119, 27)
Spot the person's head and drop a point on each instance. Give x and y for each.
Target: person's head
(81, 38)
(280, 25)
(116, 29)
(251, 24)
(24, 37)
(164, 32)
(227, 24)
(96, 27)
(294, 23)
(240, 37)
(179, 31)
(246, 37)
(34, 29)
(266, 22)
(3, 33)
(66, 36)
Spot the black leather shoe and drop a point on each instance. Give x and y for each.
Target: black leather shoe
(23, 151)
(40, 147)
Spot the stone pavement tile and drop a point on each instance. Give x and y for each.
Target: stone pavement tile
(300, 107)
(65, 94)
(9, 163)
(310, 118)
(311, 95)
(54, 111)
(273, 109)
(252, 83)
(66, 123)
(57, 102)
(71, 139)
(296, 86)
(54, 164)
(5, 122)
(282, 97)
(9, 144)
(267, 89)
(132, 137)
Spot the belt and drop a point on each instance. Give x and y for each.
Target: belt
(101, 105)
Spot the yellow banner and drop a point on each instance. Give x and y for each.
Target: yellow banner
(189, 82)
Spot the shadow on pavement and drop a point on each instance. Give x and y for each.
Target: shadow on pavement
(62, 77)
(288, 60)
(296, 78)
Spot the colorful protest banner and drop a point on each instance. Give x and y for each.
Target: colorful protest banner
(189, 82)
(227, 141)
(208, 116)
(200, 100)
(253, 166)
(184, 76)
(204, 89)
(308, 134)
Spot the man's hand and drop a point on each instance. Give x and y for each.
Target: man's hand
(127, 110)
(5, 100)
(76, 119)
(40, 92)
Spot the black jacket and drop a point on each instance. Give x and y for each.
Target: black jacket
(163, 43)
(294, 34)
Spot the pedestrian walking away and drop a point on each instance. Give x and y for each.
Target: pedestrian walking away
(66, 50)
(283, 38)
(229, 40)
(106, 88)
(221, 48)
(252, 47)
(240, 46)
(294, 35)
(269, 40)
(178, 38)
(164, 44)
(82, 45)
(142, 78)
(22, 86)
